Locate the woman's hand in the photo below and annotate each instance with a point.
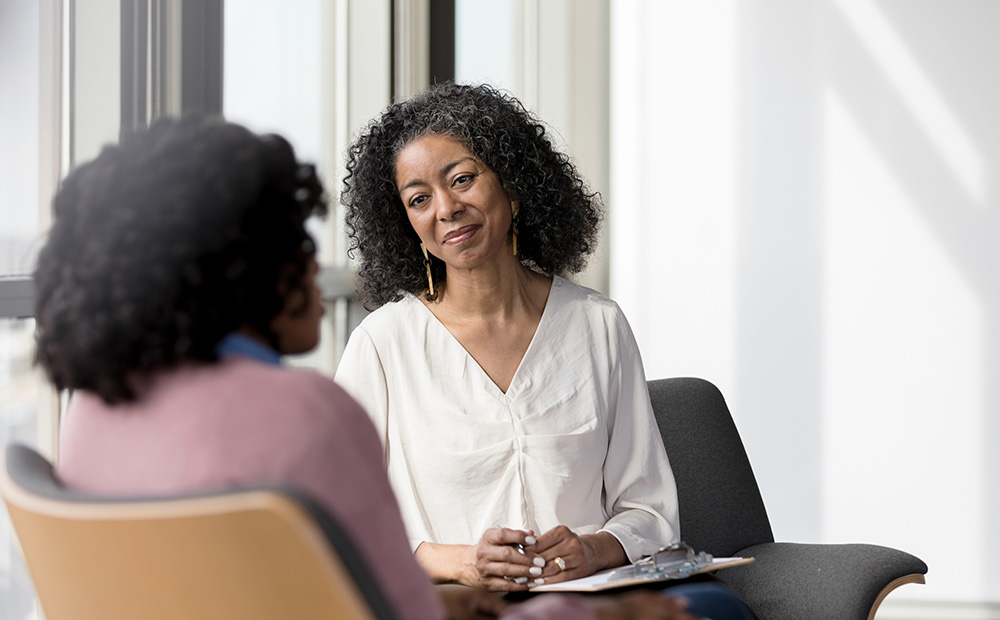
(571, 556)
(506, 560)
(502, 560)
(639, 605)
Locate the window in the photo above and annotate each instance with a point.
(279, 74)
(20, 392)
(73, 74)
(26, 167)
(19, 124)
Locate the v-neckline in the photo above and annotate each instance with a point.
(499, 393)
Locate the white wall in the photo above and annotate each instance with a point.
(803, 198)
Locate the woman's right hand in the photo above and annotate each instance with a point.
(639, 605)
(497, 563)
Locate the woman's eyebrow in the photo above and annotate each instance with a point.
(447, 168)
(410, 184)
(444, 171)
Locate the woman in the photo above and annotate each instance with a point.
(511, 403)
(178, 270)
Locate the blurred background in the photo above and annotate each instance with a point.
(803, 201)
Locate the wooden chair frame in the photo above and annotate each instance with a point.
(250, 554)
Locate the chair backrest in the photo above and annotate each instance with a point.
(260, 553)
(721, 508)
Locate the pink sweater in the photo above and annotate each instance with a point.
(242, 422)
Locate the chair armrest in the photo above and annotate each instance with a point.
(791, 581)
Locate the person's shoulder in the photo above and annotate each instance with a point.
(292, 385)
(571, 294)
(392, 312)
(313, 386)
(308, 396)
(389, 321)
(315, 411)
(579, 305)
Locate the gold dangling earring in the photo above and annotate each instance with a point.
(514, 208)
(431, 295)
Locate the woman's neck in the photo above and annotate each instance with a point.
(496, 292)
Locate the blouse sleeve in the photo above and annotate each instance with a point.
(640, 492)
(362, 375)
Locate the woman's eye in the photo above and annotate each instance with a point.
(416, 201)
(462, 179)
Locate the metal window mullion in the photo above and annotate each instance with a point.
(411, 51)
(134, 45)
(17, 297)
(155, 106)
(441, 33)
(201, 56)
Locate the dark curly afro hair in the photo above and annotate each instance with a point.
(164, 244)
(558, 221)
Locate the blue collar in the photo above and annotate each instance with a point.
(235, 343)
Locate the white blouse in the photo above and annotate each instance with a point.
(573, 441)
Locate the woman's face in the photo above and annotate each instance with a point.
(297, 326)
(454, 202)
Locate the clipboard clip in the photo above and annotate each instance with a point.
(677, 561)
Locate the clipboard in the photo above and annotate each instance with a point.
(647, 570)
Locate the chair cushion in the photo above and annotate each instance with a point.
(791, 581)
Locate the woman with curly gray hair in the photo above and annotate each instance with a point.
(511, 402)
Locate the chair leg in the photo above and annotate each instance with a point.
(905, 579)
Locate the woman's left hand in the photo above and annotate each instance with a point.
(568, 555)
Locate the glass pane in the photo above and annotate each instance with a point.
(19, 105)
(272, 82)
(485, 43)
(20, 392)
(272, 77)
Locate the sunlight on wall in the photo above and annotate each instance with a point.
(916, 88)
(903, 380)
(803, 211)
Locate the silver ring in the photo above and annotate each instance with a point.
(561, 563)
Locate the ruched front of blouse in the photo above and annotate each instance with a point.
(573, 440)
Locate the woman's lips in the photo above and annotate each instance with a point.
(460, 235)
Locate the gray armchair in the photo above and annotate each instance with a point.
(722, 512)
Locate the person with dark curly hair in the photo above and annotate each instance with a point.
(181, 238)
(176, 274)
(511, 402)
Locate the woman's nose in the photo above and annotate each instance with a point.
(448, 206)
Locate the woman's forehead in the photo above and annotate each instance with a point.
(431, 155)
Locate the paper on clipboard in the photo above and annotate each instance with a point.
(627, 576)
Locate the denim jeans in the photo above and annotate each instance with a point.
(710, 600)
